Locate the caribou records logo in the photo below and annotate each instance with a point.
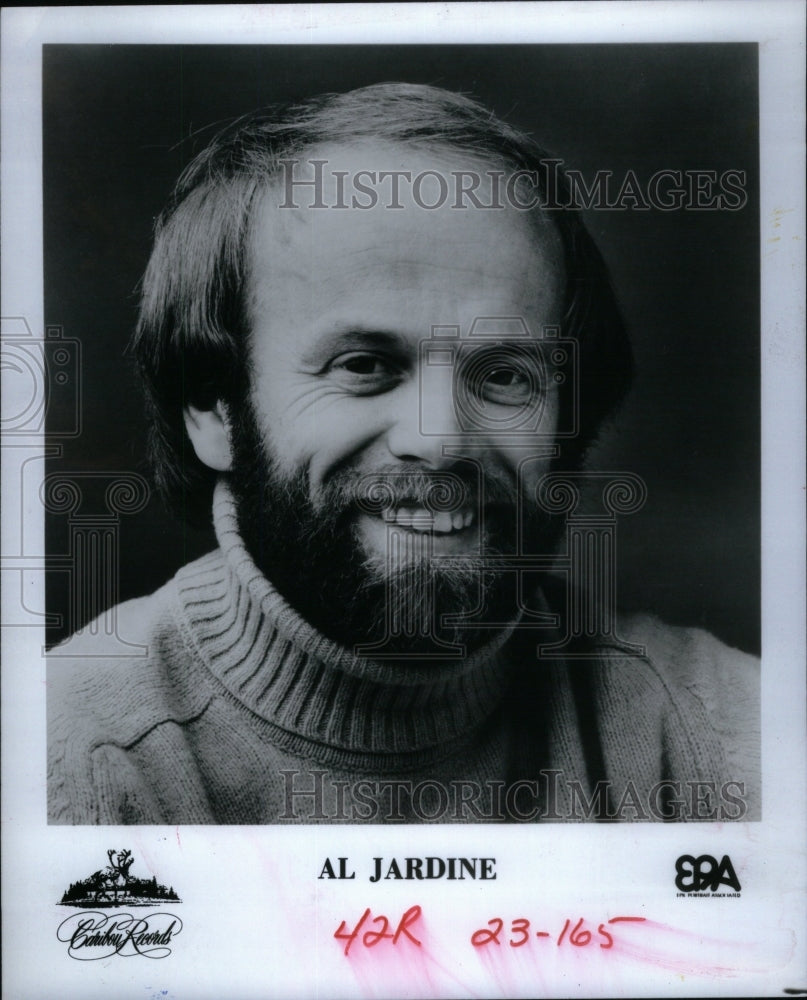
(93, 934)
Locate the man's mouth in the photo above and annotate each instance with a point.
(420, 519)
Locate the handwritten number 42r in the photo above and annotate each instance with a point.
(520, 933)
(382, 931)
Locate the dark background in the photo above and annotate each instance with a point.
(119, 124)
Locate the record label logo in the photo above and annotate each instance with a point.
(93, 934)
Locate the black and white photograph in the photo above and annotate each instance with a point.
(394, 452)
(385, 360)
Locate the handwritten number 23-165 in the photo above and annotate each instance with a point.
(520, 934)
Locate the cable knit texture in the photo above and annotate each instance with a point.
(227, 707)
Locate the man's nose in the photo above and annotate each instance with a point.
(425, 419)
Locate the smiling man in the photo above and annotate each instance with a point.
(373, 351)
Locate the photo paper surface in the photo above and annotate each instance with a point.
(403, 501)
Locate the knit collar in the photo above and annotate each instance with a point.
(283, 670)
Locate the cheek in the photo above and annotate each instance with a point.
(316, 430)
(531, 459)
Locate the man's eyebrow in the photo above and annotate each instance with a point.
(351, 337)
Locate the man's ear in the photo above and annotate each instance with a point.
(209, 431)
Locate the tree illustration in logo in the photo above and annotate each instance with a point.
(114, 886)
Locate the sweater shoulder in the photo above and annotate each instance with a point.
(125, 670)
(135, 621)
(691, 658)
(707, 685)
(115, 683)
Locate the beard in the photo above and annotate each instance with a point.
(407, 603)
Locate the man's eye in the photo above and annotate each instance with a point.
(507, 377)
(362, 371)
(510, 385)
(361, 364)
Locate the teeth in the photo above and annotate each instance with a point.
(402, 517)
(420, 519)
(442, 522)
(414, 517)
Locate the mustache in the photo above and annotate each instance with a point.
(393, 486)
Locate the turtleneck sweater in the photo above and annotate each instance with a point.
(233, 709)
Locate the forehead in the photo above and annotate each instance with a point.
(413, 265)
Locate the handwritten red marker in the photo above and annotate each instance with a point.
(577, 935)
(381, 932)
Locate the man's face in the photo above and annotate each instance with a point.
(345, 395)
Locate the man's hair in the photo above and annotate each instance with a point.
(192, 334)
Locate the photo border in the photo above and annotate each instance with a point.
(276, 928)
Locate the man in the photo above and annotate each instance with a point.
(373, 346)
